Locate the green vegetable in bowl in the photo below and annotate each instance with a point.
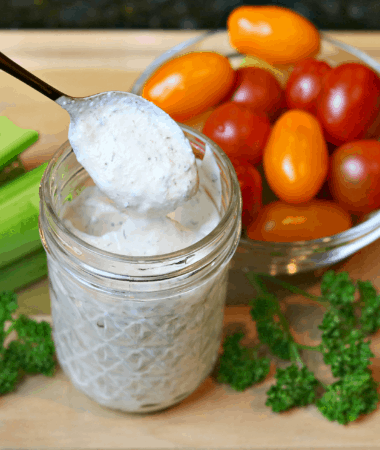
(346, 324)
(33, 350)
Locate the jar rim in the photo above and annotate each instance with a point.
(167, 258)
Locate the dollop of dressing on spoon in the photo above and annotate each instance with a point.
(135, 153)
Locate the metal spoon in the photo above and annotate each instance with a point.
(63, 100)
(82, 108)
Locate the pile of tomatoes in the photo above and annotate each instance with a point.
(310, 143)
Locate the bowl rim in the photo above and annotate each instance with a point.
(353, 233)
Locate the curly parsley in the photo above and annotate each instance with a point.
(347, 322)
(31, 352)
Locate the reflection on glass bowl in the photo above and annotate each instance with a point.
(285, 257)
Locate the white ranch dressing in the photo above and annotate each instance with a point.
(151, 196)
(136, 153)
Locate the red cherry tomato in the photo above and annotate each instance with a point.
(251, 190)
(348, 106)
(354, 177)
(260, 90)
(305, 83)
(241, 133)
(283, 222)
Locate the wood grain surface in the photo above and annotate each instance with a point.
(50, 412)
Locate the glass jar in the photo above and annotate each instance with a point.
(137, 334)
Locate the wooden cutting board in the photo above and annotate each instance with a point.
(50, 412)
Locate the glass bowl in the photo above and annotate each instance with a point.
(285, 257)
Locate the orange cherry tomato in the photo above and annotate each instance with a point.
(251, 190)
(190, 84)
(278, 35)
(283, 222)
(295, 157)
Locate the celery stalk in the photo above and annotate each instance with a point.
(25, 271)
(19, 209)
(13, 140)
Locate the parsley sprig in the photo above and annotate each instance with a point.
(240, 366)
(352, 313)
(31, 352)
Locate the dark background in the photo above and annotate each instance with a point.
(176, 14)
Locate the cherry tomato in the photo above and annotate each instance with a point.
(305, 84)
(258, 89)
(190, 84)
(251, 190)
(241, 133)
(295, 157)
(278, 35)
(348, 106)
(282, 222)
(354, 177)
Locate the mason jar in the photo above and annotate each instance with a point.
(137, 334)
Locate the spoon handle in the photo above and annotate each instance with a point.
(28, 78)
